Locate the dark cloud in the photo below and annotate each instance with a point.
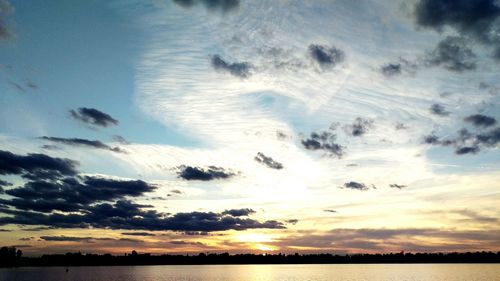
(158, 197)
(40, 228)
(292, 221)
(398, 67)
(196, 233)
(439, 110)
(325, 141)
(399, 186)
(85, 239)
(464, 15)
(239, 212)
(138, 234)
(330, 211)
(466, 142)
(326, 57)
(68, 200)
(212, 5)
(93, 116)
(431, 139)
(453, 54)
(174, 192)
(490, 138)
(391, 69)
(5, 10)
(40, 205)
(359, 127)
(5, 230)
(65, 238)
(204, 174)
(82, 142)
(104, 189)
(199, 221)
(53, 184)
(467, 150)
(355, 185)
(35, 165)
(475, 20)
(480, 120)
(72, 194)
(125, 214)
(238, 69)
(268, 161)
(181, 242)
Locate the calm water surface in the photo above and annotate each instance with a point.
(351, 272)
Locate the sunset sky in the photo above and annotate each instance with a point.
(288, 126)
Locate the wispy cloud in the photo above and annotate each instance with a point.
(82, 142)
(350, 240)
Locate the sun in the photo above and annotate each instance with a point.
(262, 247)
(256, 241)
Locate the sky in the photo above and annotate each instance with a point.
(238, 126)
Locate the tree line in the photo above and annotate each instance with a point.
(9, 257)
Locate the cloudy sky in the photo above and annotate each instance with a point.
(250, 126)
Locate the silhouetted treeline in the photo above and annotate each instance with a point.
(10, 256)
(78, 259)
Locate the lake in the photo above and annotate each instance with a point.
(315, 272)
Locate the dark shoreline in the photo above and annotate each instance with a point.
(134, 259)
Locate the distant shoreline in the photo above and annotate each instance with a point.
(236, 264)
(136, 259)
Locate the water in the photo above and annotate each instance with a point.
(332, 272)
